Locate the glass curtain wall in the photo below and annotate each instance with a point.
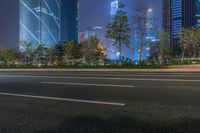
(48, 22)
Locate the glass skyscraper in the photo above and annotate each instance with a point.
(48, 22)
(178, 14)
(176, 17)
(198, 13)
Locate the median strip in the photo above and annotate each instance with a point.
(64, 99)
(86, 84)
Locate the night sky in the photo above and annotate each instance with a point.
(92, 13)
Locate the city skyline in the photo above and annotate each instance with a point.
(99, 66)
(9, 25)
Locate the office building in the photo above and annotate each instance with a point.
(48, 22)
(178, 14)
(114, 7)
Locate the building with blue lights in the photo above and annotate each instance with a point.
(48, 22)
(198, 13)
(178, 14)
(113, 50)
(114, 7)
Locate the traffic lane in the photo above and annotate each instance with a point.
(193, 83)
(108, 75)
(33, 115)
(173, 93)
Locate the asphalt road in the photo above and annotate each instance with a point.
(96, 102)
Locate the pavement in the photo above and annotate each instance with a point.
(98, 102)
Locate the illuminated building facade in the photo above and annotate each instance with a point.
(114, 7)
(113, 50)
(48, 22)
(198, 13)
(178, 14)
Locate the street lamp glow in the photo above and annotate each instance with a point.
(148, 48)
(118, 54)
(150, 10)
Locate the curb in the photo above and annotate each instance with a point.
(103, 70)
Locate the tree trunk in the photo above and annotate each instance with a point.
(141, 48)
(195, 49)
(183, 55)
(120, 52)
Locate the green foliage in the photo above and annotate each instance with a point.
(118, 31)
(7, 56)
(90, 51)
(41, 55)
(69, 49)
(91, 54)
(163, 48)
(59, 48)
(190, 43)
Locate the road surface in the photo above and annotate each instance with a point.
(98, 102)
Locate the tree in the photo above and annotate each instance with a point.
(88, 50)
(185, 41)
(40, 54)
(119, 30)
(198, 41)
(163, 49)
(195, 38)
(69, 50)
(101, 53)
(26, 47)
(1, 55)
(8, 56)
(51, 55)
(140, 21)
(59, 52)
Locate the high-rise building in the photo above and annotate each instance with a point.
(198, 13)
(167, 15)
(113, 49)
(48, 22)
(114, 7)
(89, 33)
(69, 20)
(151, 31)
(178, 14)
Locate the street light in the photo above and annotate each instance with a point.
(118, 54)
(150, 10)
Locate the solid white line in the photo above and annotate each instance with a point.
(166, 80)
(63, 99)
(102, 78)
(133, 75)
(86, 84)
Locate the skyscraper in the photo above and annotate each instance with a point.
(167, 15)
(178, 14)
(114, 7)
(198, 13)
(48, 22)
(113, 50)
